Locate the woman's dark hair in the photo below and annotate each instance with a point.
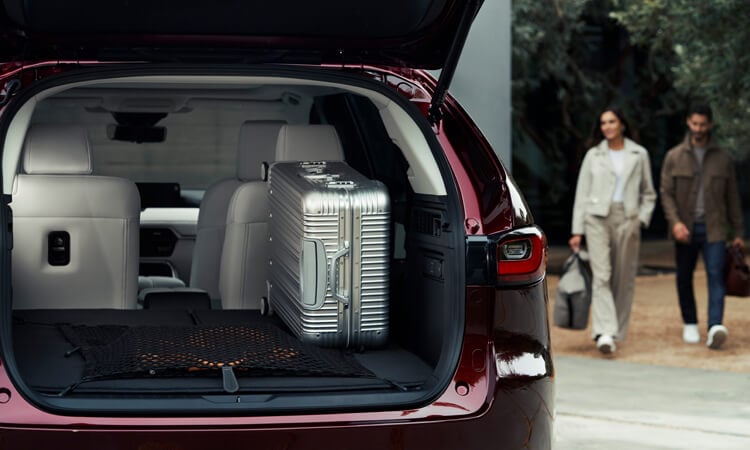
(596, 135)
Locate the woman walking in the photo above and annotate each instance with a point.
(614, 198)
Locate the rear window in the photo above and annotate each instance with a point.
(199, 145)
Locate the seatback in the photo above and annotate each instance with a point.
(308, 143)
(254, 138)
(209, 237)
(246, 216)
(244, 268)
(75, 235)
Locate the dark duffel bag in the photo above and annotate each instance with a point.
(737, 273)
(573, 295)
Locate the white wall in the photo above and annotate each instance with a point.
(482, 82)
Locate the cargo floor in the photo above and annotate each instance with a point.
(153, 351)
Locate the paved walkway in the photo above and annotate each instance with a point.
(611, 404)
(607, 404)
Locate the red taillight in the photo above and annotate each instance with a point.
(521, 257)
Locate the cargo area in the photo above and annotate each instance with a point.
(66, 352)
(167, 308)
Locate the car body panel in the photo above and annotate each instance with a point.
(501, 389)
(504, 377)
(413, 34)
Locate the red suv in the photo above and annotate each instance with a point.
(139, 146)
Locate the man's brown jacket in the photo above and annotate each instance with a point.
(680, 180)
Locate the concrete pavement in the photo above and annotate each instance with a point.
(608, 404)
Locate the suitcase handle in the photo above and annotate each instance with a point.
(335, 274)
(341, 184)
(321, 177)
(313, 274)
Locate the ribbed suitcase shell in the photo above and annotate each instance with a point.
(328, 225)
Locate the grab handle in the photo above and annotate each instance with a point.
(335, 274)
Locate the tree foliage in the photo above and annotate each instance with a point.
(705, 43)
(571, 59)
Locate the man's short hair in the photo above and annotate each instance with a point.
(701, 108)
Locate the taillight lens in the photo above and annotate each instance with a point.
(521, 256)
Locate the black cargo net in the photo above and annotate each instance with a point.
(261, 349)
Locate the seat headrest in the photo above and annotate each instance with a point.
(257, 144)
(309, 143)
(57, 149)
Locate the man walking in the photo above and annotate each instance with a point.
(700, 199)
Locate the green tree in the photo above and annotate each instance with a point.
(651, 58)
(704, 45)
(570, 60)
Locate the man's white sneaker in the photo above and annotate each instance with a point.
(605, 344)
(690, 334)
(716, 336)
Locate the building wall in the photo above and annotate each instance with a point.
(482, 82)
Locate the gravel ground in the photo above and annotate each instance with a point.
(655, 334)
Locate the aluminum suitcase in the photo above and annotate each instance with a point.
(329, 253)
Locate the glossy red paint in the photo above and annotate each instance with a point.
(507, 410)
(497, 210)
(482, 405)
(417, 91)
(18, 74)
(498, 206)
(505, 425)
(29, 71)
(468, 196)
(17, 411)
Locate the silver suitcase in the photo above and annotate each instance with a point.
(329, 233)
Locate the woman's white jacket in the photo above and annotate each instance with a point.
(597, 180)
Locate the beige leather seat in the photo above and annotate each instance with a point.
(257, 139)
(75, 235)
(244, 265)
(308, 143)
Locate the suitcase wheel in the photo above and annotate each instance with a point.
(265, 307)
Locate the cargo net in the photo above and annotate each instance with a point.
(260, 350)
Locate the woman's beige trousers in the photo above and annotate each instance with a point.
(613, 243)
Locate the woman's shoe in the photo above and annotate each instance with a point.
(606, 344)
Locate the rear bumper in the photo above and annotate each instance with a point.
(519, 417)
(502, 396)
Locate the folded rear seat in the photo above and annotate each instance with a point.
(75, 235)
